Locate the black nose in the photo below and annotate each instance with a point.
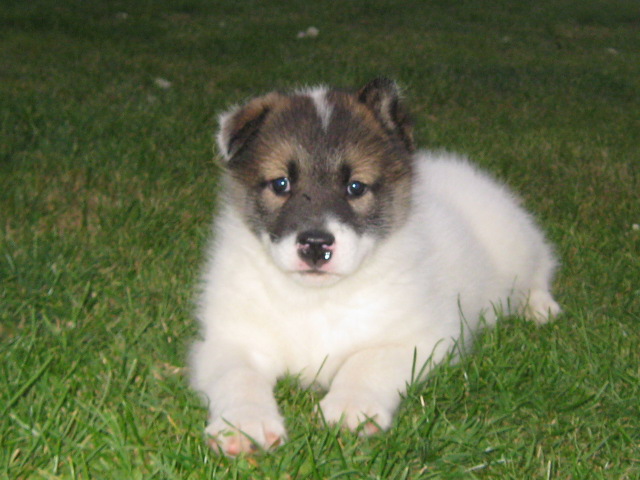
(314, 247)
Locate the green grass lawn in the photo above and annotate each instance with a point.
(108, 185)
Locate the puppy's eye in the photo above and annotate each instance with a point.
(281, 186)
(356, 188)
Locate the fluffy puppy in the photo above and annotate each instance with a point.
(344, 256)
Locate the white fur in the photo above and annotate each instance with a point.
(466, 252)
(222, 137)
(324, 109)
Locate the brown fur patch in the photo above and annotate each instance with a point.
(245, 121)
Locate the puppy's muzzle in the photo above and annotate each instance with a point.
(315, 247)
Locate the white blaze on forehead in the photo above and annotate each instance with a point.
(319, 97)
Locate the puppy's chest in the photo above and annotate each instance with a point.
(313, 342)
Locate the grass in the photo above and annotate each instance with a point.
(108, 187)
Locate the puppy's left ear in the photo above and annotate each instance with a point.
(382, 96)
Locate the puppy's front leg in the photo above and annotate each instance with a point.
(243, 413)
(367, 388)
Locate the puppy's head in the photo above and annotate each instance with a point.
(320, 175)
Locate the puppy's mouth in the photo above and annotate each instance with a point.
(315, 273)
(315, 277)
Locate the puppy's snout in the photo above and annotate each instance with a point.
(314, 247)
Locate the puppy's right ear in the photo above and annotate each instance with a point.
(240, 124)
(382, 97)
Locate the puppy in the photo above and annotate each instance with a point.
(346, 257)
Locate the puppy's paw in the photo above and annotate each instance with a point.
(541, 307)
(246, 430)
(353, 409)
